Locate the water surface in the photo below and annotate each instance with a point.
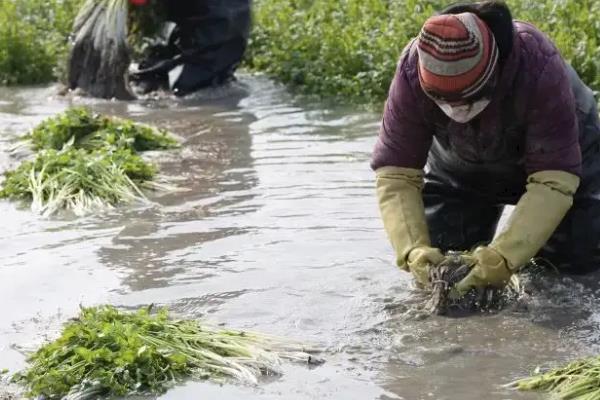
(278, 232)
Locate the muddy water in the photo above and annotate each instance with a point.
(278, 232)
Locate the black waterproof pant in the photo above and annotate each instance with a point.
(204, 49)
(460, 219)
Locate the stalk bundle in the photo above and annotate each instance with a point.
(114, 353)
(85, 162)
(579, 380)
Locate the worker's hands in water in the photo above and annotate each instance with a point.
(420, 259)
(490, 269)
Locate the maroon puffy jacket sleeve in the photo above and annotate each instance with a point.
(404, 139)
(552, 137)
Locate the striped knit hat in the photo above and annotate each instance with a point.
(457, 56)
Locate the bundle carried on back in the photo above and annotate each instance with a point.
(100, 53)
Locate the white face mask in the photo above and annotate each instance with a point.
(463, 113)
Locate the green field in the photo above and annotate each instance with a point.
(34, 39)
(346, 49)
(349, 48)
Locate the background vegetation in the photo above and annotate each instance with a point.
(344, 48)
(33, 39)
(349, 48)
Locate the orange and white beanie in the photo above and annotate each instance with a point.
(457, 56)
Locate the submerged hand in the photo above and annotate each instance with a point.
(490, 270)
(420, 260)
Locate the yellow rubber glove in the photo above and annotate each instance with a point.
(538, 213)
(420, 259)
(403, 215)
(489, 270)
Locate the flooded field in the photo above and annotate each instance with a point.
(278, 232)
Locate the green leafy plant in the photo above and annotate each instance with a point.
(579, 380)
(34, 39)
(77, 180)
(85, 161)
(348, 49)
(110, 352)
(93, 131)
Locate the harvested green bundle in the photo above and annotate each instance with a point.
(100, 54)
(578, 380)
(54, 132)
(109, 352)
(85, 161)
(77, 180)
(93, 131)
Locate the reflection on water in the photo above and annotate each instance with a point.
(277, 231)
(216, 166)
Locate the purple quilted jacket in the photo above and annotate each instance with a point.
(530, 125)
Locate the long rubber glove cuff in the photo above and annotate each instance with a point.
(536, 216)
(402, 210)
